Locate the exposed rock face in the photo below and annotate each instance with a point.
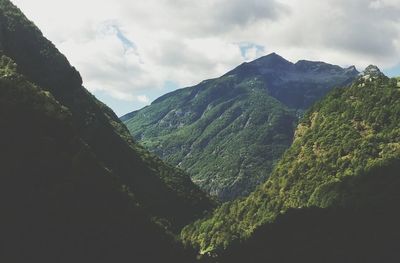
(371, 71)
(370, 74)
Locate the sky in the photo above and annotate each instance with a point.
(131, 52)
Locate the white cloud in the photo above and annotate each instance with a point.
(143, 99)
(338, 31)
(131, 49)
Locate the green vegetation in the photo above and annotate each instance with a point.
(165, 192)
(61, 203)
(235, 139)
(351, 133)
(364, 228)
(229, 132)
(76, 187)
(322, 235)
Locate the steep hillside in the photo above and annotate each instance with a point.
(59, 202)
(345, 154)
(229, 132)
(323, 235)
(163, 191)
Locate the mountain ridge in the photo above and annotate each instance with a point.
(41, 62)
(345, 154)
(75, 185)
(62, 204)
(261, 99)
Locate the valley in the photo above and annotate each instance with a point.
(273, 161)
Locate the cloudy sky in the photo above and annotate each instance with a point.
(131, 52)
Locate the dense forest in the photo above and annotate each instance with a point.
(62, 203)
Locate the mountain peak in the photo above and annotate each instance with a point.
(273, 54)
(372, 69)
(269, 62)
(371, 72)
(272, 59)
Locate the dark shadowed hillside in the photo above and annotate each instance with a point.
(75, 187)
(60, 203)
(364, 228)
(164, 191)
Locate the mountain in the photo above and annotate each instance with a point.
(60, 203)
(165, 192)
(345, 155)
(75, 186)
(229, 132)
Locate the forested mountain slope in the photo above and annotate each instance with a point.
(356, 235)
(229, 132)
(59, 202)
(346, 153)
(163, 191)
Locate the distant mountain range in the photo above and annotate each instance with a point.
(229, 132)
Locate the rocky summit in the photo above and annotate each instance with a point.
(371, 71)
